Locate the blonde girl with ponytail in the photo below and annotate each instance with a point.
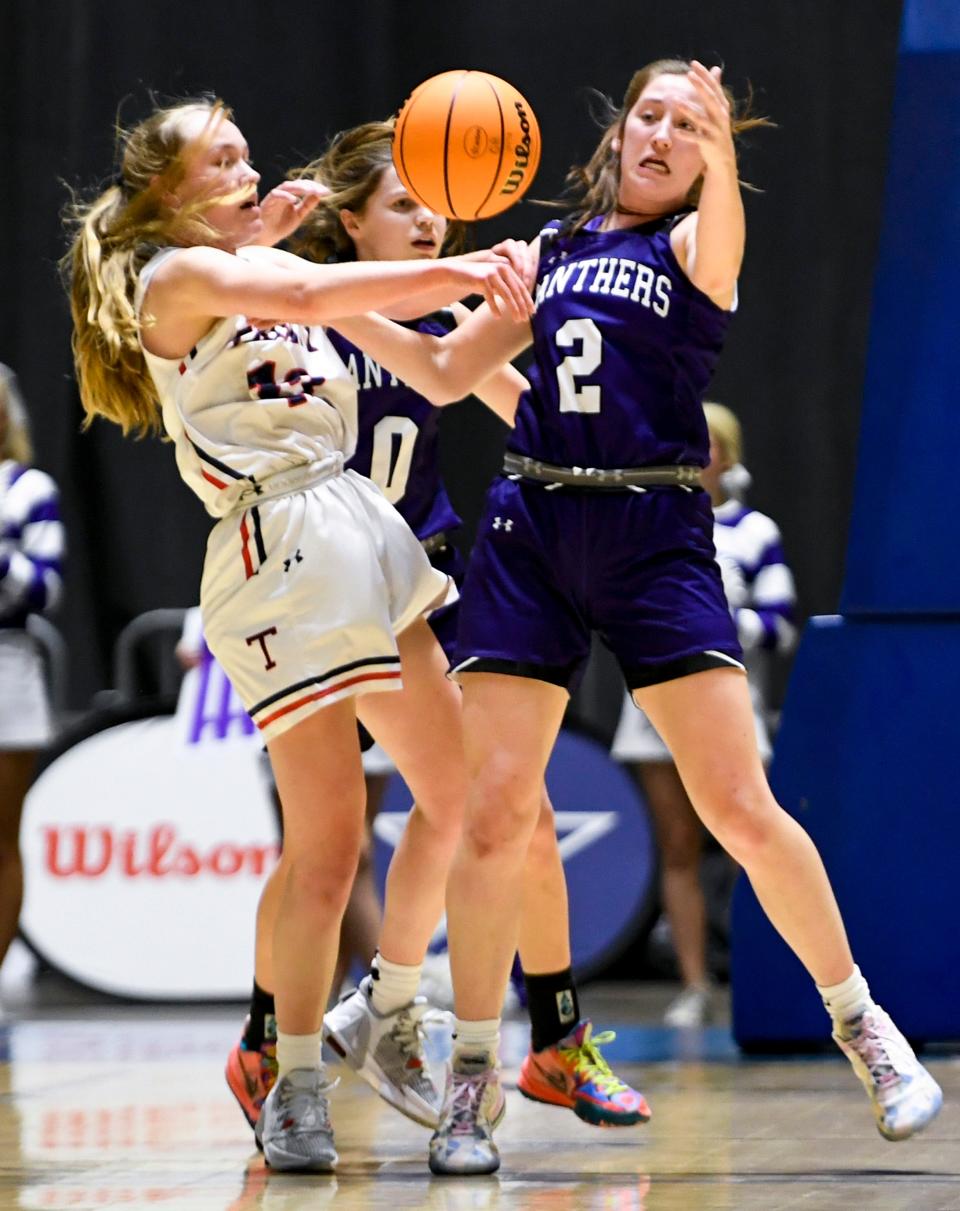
(314, 590)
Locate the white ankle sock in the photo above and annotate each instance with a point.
(472, 1038)
(297, 1051)
(847, 1000)
(394, 984)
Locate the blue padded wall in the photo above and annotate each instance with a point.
(867, 757)
(868, 760)
(903, 535)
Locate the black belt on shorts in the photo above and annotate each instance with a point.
(436, 542)
(634, 479)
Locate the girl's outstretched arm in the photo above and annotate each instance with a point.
(441, 368)
(203, 282)
(502, 390)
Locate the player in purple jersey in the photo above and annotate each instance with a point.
(314, 589)
(369, 216)
(600, 524)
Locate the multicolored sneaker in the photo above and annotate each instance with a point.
(294, 1125)
(574, 1074)
(386, 1050)
(905, 1096)
(251, 1076)
(473, 1106)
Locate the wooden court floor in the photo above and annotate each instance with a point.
(107, 1106)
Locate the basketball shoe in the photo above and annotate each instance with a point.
(251, 1075)
(386, 1050)
(473, 1106)
(574, 1074)
(690, 1010)
(904, 1095)
(294, 1125)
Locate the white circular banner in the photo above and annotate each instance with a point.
(145, 848)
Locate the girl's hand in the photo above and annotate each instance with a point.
(521, 255)
(710, 117)
(285, 207)
(493, 275)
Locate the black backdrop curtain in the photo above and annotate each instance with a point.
(296, 73)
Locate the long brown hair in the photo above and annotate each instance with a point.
(351, 167)
(595, 186)
(113, 237)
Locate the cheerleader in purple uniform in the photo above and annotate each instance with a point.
(31, 578)
(599, 523)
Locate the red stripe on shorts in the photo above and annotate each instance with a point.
(211, 479)
(342, 685)
(245, 535)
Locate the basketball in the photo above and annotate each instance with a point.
(467, 144)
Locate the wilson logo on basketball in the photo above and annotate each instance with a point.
(521, 153)
(91, 852)
(475, 142)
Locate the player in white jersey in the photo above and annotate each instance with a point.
(760, 592)
(31, 557)
(314, 589)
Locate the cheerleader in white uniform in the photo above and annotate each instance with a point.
(760, 592)
(314, 589)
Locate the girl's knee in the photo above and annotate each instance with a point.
(324, 885)
(499, 829)
(744, 823)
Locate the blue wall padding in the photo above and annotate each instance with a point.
(867, 760)
(903, 537)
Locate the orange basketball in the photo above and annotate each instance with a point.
(467, 144)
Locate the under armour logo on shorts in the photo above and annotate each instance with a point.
(500, 523)
(296, 557)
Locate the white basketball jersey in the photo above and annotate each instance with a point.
(249, 403)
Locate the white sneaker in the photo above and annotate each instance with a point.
(690, 1010)
(386, 1050)
(905, 1096)
(473, 1106)
(294, 1125)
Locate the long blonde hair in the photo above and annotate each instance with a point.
(15, 440)
(113, 237)
(595, 185)
(725, 430)
(351, 167)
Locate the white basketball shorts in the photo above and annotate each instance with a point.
(303, 596)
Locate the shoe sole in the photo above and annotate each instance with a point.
(438, 1171)
(283, 1163)
(371, 1072)
(590, 1113)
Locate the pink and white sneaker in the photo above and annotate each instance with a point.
(904, 1095)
